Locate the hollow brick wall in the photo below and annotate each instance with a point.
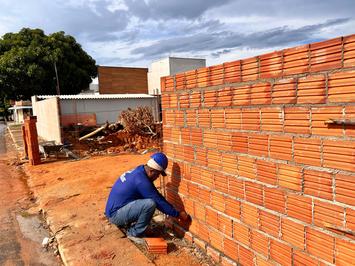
(265, 180)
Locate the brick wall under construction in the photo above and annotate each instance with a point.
(257, 157)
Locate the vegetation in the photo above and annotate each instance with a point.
(28, 60)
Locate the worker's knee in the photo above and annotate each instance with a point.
(150, 204)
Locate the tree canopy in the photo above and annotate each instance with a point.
(28, 60)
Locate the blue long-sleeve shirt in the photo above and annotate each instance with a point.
(133, 185)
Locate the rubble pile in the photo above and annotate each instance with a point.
(136, 131)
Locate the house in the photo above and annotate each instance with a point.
(20, 110)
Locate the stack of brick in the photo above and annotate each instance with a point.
(252, 160)
(156, 245)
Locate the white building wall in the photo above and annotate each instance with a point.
(48, 122)
(105, 109)
(170, 66)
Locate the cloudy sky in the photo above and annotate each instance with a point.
(137, 32)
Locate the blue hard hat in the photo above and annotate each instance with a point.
(161, 159)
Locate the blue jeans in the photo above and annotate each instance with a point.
(136, 215)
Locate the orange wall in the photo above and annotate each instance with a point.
(253, 162)
(117, 80)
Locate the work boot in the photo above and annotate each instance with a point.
(136, 240)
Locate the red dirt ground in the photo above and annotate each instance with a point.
(72, 195)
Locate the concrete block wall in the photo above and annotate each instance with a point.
(252, 160)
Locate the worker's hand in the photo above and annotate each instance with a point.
(183, 215)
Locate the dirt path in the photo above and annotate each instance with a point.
(20, 234)
(73, 196)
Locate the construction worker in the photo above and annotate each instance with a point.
(134, 198)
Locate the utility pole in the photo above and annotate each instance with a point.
(56, 76)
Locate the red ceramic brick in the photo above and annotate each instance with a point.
(216, 239)
(201, 156)
(260, 261)
(320, 245)
(246, 257)
(326, 55)
(259, 243)
(233, 118)
(201, 244)
(204, 195)
(180, 81)
(258, 145)
(212, 217)
(191, 79)
(185, 136)
(231, 249)
(203, 77)
(299, 207)
(209, 98)
(271, 65)
(217, 75)
(193, 191)
(232, 72)
(169, 117)
(196, 136)
(241, 95)
(162, 84)
(220, 182)
(272, 119)
(250, 69)
(203, 232)
(281, 147)
(179, 118)
(224, 97)
(341, 87)
(214, 160)
(339, 154)
(246, 167)
(266, 172)
(239, 142)
(235, 187)
(215, 255)
(205, 178)
(349, 51)
(210, 139)
(169, 83)
(297, 120)
(350, 115)
(204, 118)
(350, 219)
(191, 117)
(229, 163)
(293, 233)
(200, 212)
(311, 89)
(195, 99)
(344, 189)
(295, 60)
(290, 177)
(344, 252)
(165, 101)
(173, 100)
(251, 119)
(217, 201)
(270, 223)
(241, 233)
(322, 114)
(179, 152)
(250, 215)
(275, 199)
(280, 252)
(318, 184)
(189, 206)
(253, 193)
(307, 151)
(225, 225)
(260, 93)
(227, 262)
(217, 118)
(232, 207)
(328, 214)
(284, 91)
(224, 141)
(301, 259)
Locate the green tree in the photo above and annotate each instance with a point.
(28, 60)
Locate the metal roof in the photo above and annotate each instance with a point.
(20, 107)
(97, 96)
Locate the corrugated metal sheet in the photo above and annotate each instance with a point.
(98, 96)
